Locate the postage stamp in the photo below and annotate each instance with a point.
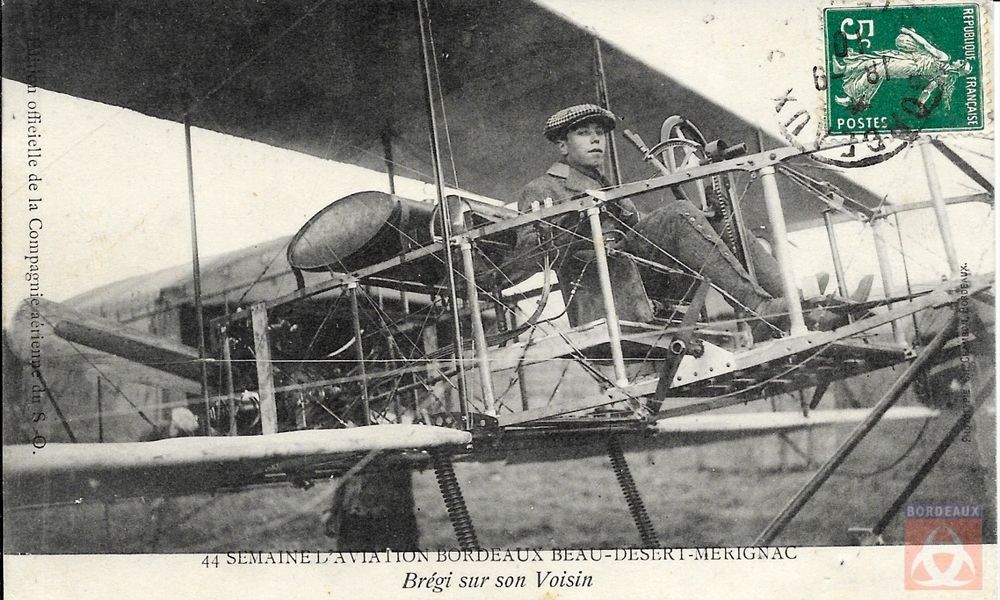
(919, 65)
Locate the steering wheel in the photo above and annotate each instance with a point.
(681, 146)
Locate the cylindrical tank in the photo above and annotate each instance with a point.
(364, 229)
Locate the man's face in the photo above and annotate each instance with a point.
(584, 145)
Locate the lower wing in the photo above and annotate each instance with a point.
(177, 466)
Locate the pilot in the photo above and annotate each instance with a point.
(676, 234)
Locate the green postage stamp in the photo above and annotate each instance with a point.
(908, 67)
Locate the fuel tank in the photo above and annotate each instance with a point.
(363, 229)
(366, 228)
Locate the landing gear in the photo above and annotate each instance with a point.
(451, 491)
(636, 507)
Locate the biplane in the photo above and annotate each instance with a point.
(385, 332)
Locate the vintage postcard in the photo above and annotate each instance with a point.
(506, 298)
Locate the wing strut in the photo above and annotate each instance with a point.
(196, 273)
(782, 252)
(265, 372)
(838, 263)
(863, 429)
(390, 171)
(463, 390)
(940, 212)
(604, 100)
(352, 290)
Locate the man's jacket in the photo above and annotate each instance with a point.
(566, 241)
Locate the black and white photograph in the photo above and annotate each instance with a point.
(499, 298)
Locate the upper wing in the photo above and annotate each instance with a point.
(67, 472)
(333, 79)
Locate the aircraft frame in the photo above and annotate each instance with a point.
(691, 366)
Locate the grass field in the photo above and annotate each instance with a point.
(722, 494)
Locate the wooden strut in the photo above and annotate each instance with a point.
(885, 268)
(390, 171)
(227, 359)
(603, 98)
(265, 374)
(360, 352)
(940, 212)
(196, 275)
(479, 334)
(782, 250)
(838, 263)
(100, 411)
(604, 277)
(424, 23)
(857, 435)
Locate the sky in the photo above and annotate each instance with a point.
(114, 191)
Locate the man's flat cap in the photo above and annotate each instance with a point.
(567, 117)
